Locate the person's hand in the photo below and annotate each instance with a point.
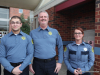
(16, 70)
(79, 71)
(31, 69)
(76, 72)
(58, 67)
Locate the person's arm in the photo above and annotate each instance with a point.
(60, 53)
(91, 59)
(30, 51)
(60, 48)
(66, 60)
(30, 65)
(6, 64)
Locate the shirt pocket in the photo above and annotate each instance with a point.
(72, 55)
(84, 55)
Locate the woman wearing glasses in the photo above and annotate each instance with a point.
(78, 56)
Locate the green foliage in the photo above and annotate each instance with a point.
(25, 24)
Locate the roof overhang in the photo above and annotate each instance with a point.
(23, 4)
(69, 4)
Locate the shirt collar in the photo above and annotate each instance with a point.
(74, 43)
(48, 28)
(11, 33)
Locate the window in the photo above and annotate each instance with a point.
(4, 19)
(20, 10)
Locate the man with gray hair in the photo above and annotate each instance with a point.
(45, 40)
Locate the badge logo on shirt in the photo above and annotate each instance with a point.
(32, 41)
(23, 37)
(65, 49)
(92, 50)
(50, 33)
(85, 49)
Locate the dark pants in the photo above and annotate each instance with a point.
(44, 67)
(25, 71)
(69, 73)
(0, 69)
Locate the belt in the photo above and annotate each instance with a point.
(16, 64)
(74, 68)
(44, 60)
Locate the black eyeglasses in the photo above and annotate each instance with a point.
(78, 33)
(16, 22)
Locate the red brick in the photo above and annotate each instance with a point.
(97, 16)
(99, 64)
(96, 56)
(97, 38)
(96, 13)
(99, 56)
(96, 66)
(98, 26)
(95, 69)
(95, 41)
(97, 31)
(98, 41)
(96, 73)
(99, 12)
(95, 62)
(97, 20)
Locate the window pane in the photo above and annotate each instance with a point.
(4, 19)
(3, 23)
(5, 16)
(3, 28)
(4, 10)
(20, 10)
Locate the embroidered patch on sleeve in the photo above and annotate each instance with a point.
(58, 33)
(65, 49)
(92, 50)
(32, 41)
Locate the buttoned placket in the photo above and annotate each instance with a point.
(78, 55)
(16, 38)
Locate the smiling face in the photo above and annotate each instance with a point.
(43, 19)
(15, 24)
(78, 34)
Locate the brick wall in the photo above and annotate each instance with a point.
(83, 16)
(97, 35)
(67, 20)
(15, 11)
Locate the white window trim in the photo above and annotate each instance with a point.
(21, 10)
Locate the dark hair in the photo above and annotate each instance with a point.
(79, 28)
(14, 17)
